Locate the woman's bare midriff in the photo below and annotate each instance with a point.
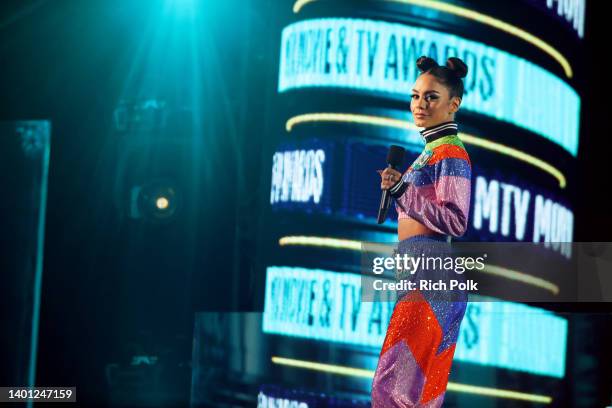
(409, 227)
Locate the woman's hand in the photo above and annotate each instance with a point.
(389, 177)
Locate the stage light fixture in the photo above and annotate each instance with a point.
(157, 201)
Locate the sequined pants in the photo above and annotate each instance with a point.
(419, 346)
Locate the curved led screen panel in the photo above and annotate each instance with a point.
(326, 306)
(504, 205)
(379, 57)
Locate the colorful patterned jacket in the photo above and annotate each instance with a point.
(436, 188)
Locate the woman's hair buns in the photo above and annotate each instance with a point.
(426, 63)
(456, 65)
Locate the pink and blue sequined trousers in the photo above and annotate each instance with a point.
(419, 346)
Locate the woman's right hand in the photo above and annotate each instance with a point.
(389, 177)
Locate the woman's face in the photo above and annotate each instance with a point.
(430, 102)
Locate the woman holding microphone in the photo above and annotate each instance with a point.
(432, 199)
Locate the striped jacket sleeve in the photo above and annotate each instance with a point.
(438, 195)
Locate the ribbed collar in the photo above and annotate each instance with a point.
(440, 130)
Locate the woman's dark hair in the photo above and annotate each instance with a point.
(449, 75)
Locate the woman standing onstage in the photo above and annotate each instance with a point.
(432, 199)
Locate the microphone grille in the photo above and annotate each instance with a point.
(395, 156)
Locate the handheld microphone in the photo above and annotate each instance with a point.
(395, 157)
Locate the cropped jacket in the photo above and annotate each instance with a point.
(436, 188)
